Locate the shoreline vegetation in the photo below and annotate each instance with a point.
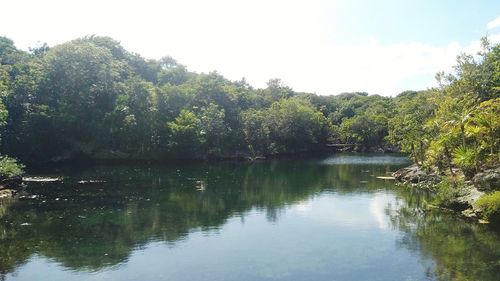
(453, 136)
(475, 198)
(90, 99)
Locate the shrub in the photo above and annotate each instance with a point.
(9, 167)
(489, 205)
(447, 191)
(466, 159)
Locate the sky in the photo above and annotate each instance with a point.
(324, 47)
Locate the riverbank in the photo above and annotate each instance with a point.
(10, 177)
(10, 186)
(475, 198)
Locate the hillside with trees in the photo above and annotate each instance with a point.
(92, 99)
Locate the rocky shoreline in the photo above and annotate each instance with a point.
(10, 186)
(465, 197)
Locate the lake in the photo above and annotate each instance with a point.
(291, 219)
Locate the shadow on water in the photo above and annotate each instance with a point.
(94, 225)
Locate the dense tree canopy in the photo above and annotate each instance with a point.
(91, 98)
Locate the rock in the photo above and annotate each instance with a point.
(11, 183)
(468, 195)
(487, 180)
(7, 193)
(465, 197)
(469, 213)
(466, 202)
(414, 174)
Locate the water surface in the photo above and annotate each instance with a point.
(313, 219)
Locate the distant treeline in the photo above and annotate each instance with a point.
(90, 98)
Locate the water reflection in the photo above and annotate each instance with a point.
(461, 250)
(97, 226)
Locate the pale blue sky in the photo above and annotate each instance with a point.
(327, 47)
(393, 21)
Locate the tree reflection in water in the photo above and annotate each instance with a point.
(461, 250)
(89, 227)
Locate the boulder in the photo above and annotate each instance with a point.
(414, 174)
(7, 193)
(468, 195)
(487, 180)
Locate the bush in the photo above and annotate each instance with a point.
(447, 191)
(9, 167)
(466, 159)
(489, 205)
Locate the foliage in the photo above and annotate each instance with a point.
(484, 127)
(295, 126)
(90, 96)
(187, 134)
(448, 190)
(489, 205)
(466, 159)
(406, 130)
(455, 125)
(10, 167)
(214, 129)
(256, 131)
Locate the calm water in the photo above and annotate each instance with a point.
(316, 219)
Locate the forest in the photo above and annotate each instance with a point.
(92, 99)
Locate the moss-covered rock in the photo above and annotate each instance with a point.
(488, 206)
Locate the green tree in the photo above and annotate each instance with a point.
(256, 131)
(484, 126)
(407, 127)
(295, 126)
(214, 129)
(186, 139)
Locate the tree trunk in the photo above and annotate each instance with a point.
(492, 144)
(462, 129)
(415, 159)
(421, 150)
(448, 156)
